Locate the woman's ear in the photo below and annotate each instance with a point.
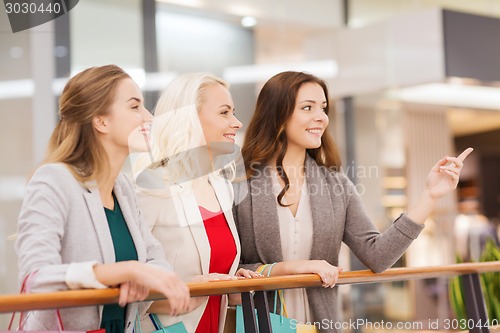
(101, 124)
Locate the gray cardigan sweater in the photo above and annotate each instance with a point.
(338, 216)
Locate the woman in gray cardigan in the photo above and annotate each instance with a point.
(79, 225)
(296, 208)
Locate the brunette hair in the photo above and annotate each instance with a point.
(265, 137)
(74, 141)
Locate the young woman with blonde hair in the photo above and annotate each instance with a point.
(79, 225)
(184, 196)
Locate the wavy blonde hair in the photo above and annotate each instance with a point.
(176, 130)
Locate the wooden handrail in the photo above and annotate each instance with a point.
(77, 298)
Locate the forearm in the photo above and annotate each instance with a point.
(422, 209)
(286, 268)
(114, 274)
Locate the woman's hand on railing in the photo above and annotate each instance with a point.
(213, 277)
(148, 277)
(247, 273)
(72, 298)
(132, 292)
(328, 273)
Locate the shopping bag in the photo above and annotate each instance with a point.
(175, 328)
(57, 318)
(25, 288)
(306, 328)
(279, 323)
(230, 323)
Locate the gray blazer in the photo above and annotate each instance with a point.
(338, 216)
(63, 222)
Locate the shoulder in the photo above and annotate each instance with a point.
(147, 199)
(54, 183)
(52, 170)
(337, 182)
(124, 181)
(135, 194)
(332, 175)
(220, 181)
(54, 174)
(339, 178)
(159, 200)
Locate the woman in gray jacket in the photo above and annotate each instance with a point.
(296, 208)
(79, 225)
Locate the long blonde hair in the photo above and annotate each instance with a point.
(176, 131)
(74, 141)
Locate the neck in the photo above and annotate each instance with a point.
(294, 156)
(205, 162)
(116, 160)
(293, 162)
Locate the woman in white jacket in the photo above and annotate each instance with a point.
(79, 225)
(185, 199)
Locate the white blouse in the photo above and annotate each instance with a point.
(296, 242)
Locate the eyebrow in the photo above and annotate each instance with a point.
(311, 101)
(135, 99)
(226, 106)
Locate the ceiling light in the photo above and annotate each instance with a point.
(450, 95)
(16, 52)
(248, 21)
(186, 3)
(26, 88)
(326, 69)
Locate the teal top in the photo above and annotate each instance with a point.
(113, 316)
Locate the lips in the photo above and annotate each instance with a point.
(145, 130)
(230, 136)
(315, 130)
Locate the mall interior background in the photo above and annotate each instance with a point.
(394, 74)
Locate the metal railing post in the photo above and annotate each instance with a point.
(474, 304)
(260, 299)
(249, 313)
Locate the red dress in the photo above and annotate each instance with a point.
(222, 254)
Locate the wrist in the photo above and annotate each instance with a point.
(291, 267)
(130, 270)
(427, 196)
(423, 208)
